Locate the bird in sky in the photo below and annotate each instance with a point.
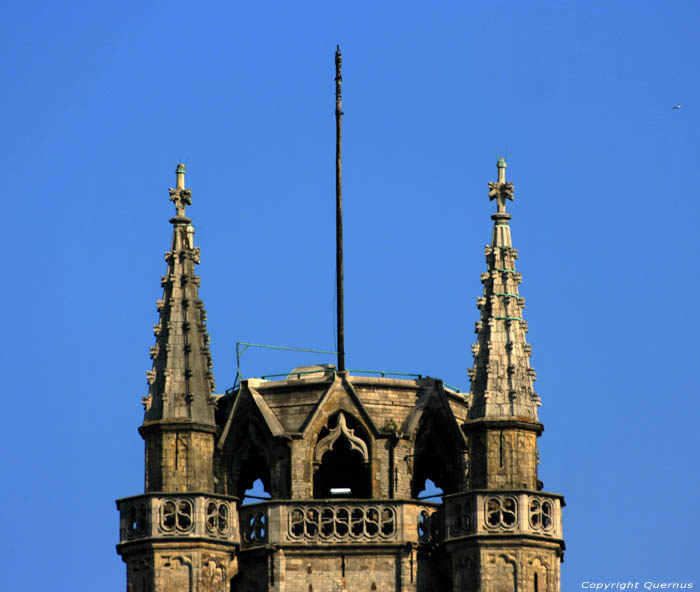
(676, 107)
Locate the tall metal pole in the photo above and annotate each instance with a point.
(339, 208)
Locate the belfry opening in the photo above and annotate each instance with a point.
(341, 464)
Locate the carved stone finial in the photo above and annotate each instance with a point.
(500, 190)
(180, 196)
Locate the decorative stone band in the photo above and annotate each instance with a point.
(515, 512)
(339, 522)
(165, 516)
(519, 423)
(176, 424)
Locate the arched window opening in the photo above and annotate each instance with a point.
(437, 458)
(341, 460)
(254, 468)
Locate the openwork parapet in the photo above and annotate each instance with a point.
(341, 522)
(163, 515)
(506, 512)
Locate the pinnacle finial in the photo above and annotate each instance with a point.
(180, 175)
(501, 164)
(180, 196)
(500, 190)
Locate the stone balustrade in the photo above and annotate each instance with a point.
(507, 512)
(164, 516)
(337, 522)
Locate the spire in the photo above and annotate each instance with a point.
(181, 380)
(501, 379)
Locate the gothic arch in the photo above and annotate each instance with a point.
(246, 454)
(438, 453)
(501, 573)
(539, 575)
(341, 430)
(341, 457)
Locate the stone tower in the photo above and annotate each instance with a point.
(344, 458)
(504, 534)
(179, 535)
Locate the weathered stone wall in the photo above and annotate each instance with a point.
(352, 572)
(401, 470)
(294, 405)
(317, 570)
(387, 401)
(178, 460)
(508, 569)
(458, 406)
(181, 568)
(504, 567)
(503, 458)
(302, 470)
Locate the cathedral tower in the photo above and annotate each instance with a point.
(344, 457)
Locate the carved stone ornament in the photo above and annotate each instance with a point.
(501, 192)
(339, 523)
(176, 515)
(326, 444)
(541, 514)
(217, 517)
(254, 527)
(500, 512)
(175, 572)
(181, 198)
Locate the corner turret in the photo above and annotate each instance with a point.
(507, 531)
(179, 424)
(179, 535)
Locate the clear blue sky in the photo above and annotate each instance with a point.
(99, 101)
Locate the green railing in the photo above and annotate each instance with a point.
(382, 373)
(242, 346)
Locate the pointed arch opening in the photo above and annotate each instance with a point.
(438, 460)
(342, 459)
(250, 469)
(254, 475)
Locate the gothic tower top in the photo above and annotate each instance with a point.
(501, 379)
(181, 380)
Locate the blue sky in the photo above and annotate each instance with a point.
(99, 103)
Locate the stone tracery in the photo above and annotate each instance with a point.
(341, 430)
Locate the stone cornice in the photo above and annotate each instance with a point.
(471, 425)
(175, 425)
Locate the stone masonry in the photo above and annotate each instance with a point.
(344, 459)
